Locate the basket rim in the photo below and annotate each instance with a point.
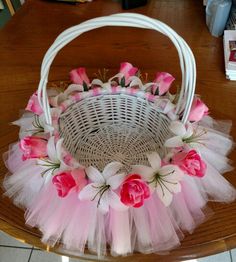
(159, 102)
(121, 93)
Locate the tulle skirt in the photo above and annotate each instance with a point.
(151, 228)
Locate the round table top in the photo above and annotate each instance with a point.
(28, 35)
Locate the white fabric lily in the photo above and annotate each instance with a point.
(31, 124)
(54, 162)
(136, 81)
(186, 134)
(56, 97)
(102, 187)
(183, 134)
(99, 83)
(164, 180)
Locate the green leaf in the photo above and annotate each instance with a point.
(122, 82)
(85, 86)
(156, 93)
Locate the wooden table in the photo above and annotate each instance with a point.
(24, 41)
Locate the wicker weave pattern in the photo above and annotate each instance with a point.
(107, 128)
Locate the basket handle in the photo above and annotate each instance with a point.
(186, 58)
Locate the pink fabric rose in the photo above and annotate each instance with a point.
(191, 163)
(33, 105)
(164, 81)
(127, 70)
(198, 110)
(79, 76)
(33, 147)
(67, 180)
(133, 191)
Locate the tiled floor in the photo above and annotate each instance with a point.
(12, 250)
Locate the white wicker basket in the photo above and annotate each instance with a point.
(117, 166)
(117, 127)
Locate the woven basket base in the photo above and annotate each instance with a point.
(98, 130)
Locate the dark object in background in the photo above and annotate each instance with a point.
(231, 24)
(232, 48)
(5, 14)
(128, 4)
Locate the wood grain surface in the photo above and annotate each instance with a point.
(26, 38)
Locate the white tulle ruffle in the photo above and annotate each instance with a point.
(78, 225)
